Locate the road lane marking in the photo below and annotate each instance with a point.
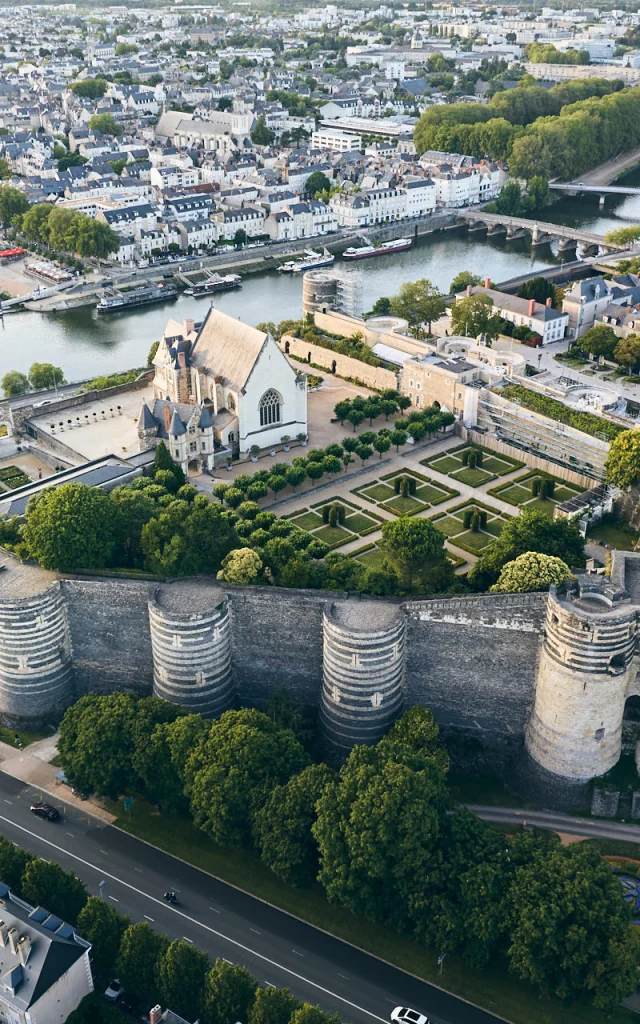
(138, 869)
(268, 983)
(147, 917)
(105, 853)
(296, 952)
(187, 939)
(71, 834)
(346, 978)
(7, 801)
(193, 920)
(214, 910)
(114, 899)
(254, 930)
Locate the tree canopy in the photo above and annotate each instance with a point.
(622, 467)
(420, 303)
(531, 571)
(473, 316)
(70, 527)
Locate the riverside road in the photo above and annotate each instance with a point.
(278, 949)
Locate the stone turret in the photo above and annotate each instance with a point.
(178, 442)
(585, 673)
(191, 642)
(363, 671)
(206, 438)
(147, 428)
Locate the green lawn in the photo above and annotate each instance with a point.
(360, 521)
(514, 494)
(472, 477)
(545, 505)
(616, 535)
(477, 541)
(333, 535)
(307, 521)
(25, 736)
(449, 525)
(372, 559)
(494, 989)
(518, 492)
(431, 494)
(378, 492)
(401, 506)
(445, 464)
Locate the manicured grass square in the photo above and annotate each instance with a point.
(378, 492)
(373, 558)
(333, 535)
(359, 521)
(449, 525)
(401, 505)
(307, 521)
(472, 477)
(477, 541)
(563, 492)
(445, 464)
(495, 465)
(515, 494)
(542, 505)
(494, 527)
(431, 494)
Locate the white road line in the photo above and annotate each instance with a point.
(254, 930)
(105, 853)
(193, 920)
(268, 983)
(296, 952)
(147, 917)
(114, 899)
(7, 801)
(343, 976)
(138, 869)
(214, 910)
(227, 961)
(71, 834)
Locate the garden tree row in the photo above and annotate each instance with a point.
(68, 231)
(513, 203)
(559, 132)
(382, 836)
(306, 330)
(41, 375)
(602, 340)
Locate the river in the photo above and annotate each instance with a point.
(84, 344)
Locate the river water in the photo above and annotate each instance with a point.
(84, 344)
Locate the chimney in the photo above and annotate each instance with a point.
(3, 933)
(24, 948)
(487, 282)
(13, 940)
(155, 1014)
(468, 289)
(532, 307)
(548, 302)
(189, 326)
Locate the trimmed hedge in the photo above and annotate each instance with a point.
(587, 422)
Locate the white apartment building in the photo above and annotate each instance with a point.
(301, 220)
(249, 219)
(541, 318)
(173, 177)
(466, 187)
(335, 141)
(421, 196)
(386, 204)
(351, 211)
(199, 234)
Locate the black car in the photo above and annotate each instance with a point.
(45, 811)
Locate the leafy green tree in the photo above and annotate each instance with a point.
(381, 307)
(355, 417)
(140, 952)
(152, 355)
(418, 302)
(316, 182)
(243, 757)
(261, 135)
(308, 1014)
(273, 1006)
(382, 444)
(46, 884)
(70, 527)
(377, 831)
(531, 530)
(91, 88)
(414, 738)
(13, 864)
(13, 203)
(182, 973)
(45, 375)
(537, 193)
(531, 571)
(623, 236)
(627, 352)
(103, 927)
(282, 829)
(463, 280)
(241, 567)
(161, 764)
(509, 201)
(398, 438)
(188, 538)
(106, 124)
(622, 467)
(473, 316)
(600, 340)
(570, 931)
(71, 160)
(229, 993)
(415, 550)
(97, 743)
(35, 222)
(132, 509)
(537, 288)
(15, 383)
(5, 170)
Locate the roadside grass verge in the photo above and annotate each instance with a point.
(493, 989)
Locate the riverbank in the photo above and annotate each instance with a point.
(607, 173)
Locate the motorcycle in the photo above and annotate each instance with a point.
(171, 897)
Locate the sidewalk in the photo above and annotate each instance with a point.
(32, 766)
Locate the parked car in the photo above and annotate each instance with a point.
(114, 990)
(402, 1015)
(46, 811)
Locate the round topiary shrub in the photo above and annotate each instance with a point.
(475, 521)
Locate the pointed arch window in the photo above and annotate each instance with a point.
(270, 405)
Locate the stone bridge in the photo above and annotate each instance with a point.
(587, 242)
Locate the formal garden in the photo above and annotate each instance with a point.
(536, 489)
(471, 525)
(404, 492)
(471, 464)
(12, 477)
(372, 556)
(335, 521)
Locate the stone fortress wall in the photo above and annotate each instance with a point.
(532, 684)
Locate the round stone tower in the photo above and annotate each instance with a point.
(319, 292)
(191, 643)
(36, 668)
(363, 671)
(584, 676)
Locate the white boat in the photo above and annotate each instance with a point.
(313, 260)
(363, 252)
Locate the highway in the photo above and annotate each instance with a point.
(278, 949)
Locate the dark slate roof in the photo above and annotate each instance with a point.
(177, 427)
(145, 419)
